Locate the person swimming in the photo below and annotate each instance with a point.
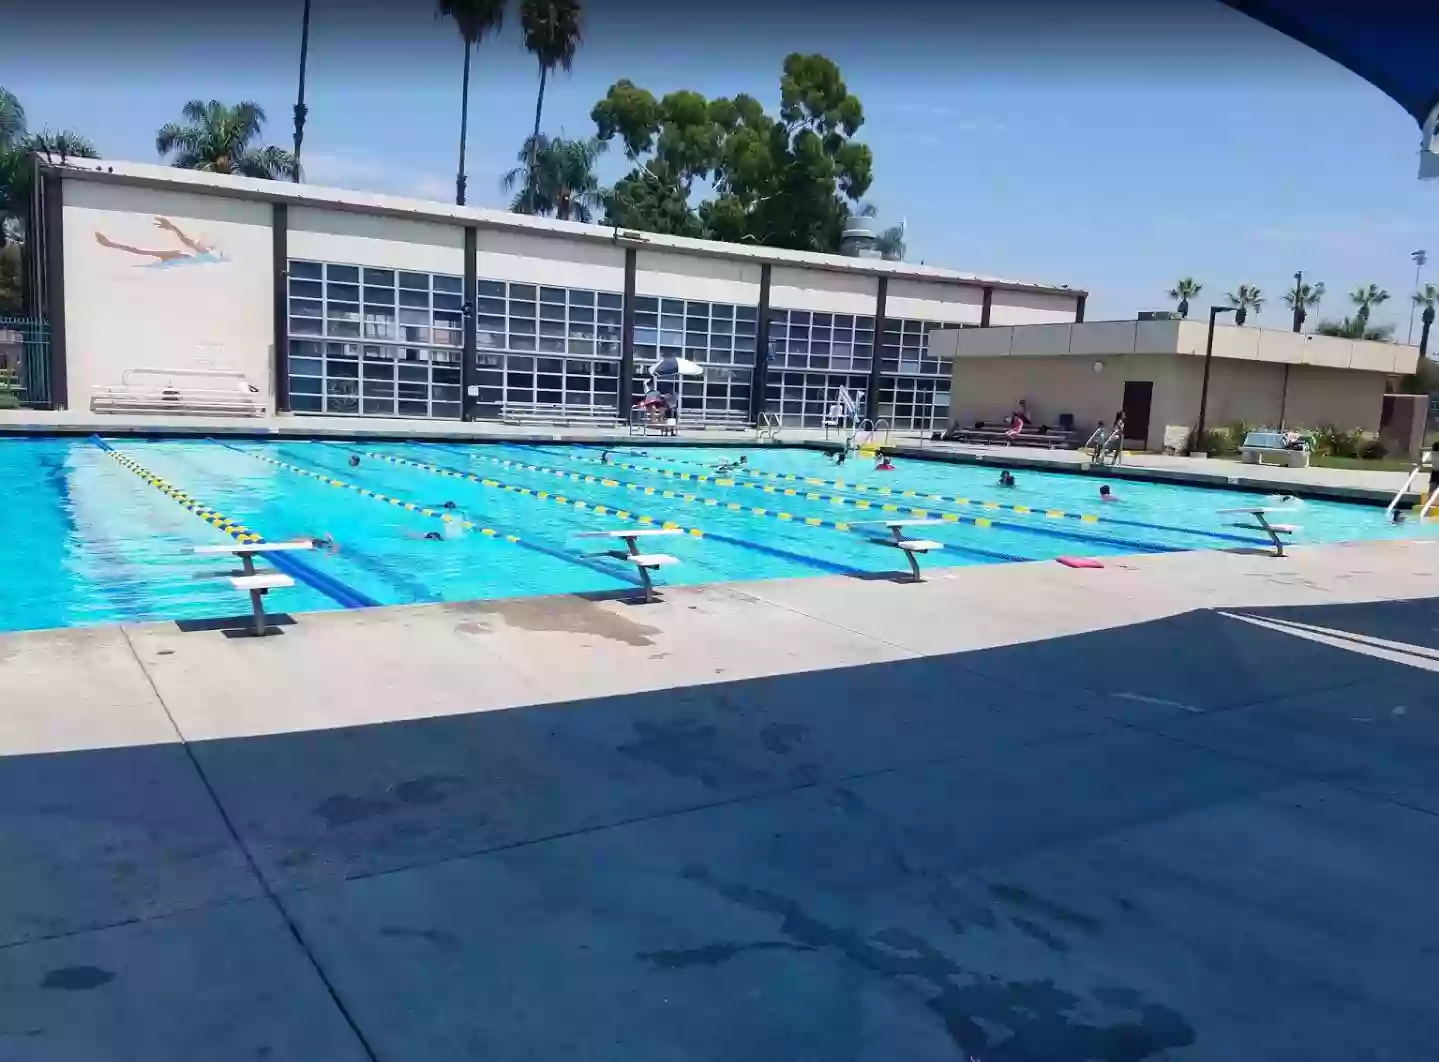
(354, 460)
(325, 542)
(841, 456)
(1106, 495)
(884, 464)
(1006, 478)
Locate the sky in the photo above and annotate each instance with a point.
(1113, 149)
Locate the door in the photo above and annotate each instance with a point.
(1137, 396)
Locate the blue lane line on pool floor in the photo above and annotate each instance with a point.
(342, 595)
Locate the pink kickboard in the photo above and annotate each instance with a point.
(1079, 562)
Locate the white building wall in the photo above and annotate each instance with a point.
(950, 303)
(823, 290)
(680, 276)
(558, 262)
(125, 310)
(1031, 307)
(369, 240)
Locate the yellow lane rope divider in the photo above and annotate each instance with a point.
(724, 481)
(776, 514)
(236, 530)
(439, 514)
(542, 495)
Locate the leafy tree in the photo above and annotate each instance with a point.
(1355, 327)
(220, 138)
(1428, 298)
(789, 181)
(1185, 289)
(1303, 297)
(890, 243)
(17, 144)
(476, 20)
(1366, 298)
(552, 34)
(650, 202)
(11, 286)
(556, 177)
(1247, 297)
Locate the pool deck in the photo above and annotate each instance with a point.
(1181, 807)
(1340, 484)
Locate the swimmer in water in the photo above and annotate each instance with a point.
(1106, 495)
(325, 542)
(1006, 479)
(884, 464)
(354, 460)
(605, 458)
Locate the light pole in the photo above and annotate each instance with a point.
(1419, 257)
(1214, 312)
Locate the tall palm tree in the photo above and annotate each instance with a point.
(476, 20)
(1367, 298)
(556, 177)
(220, 138)
(1302, 298)
(301, 111)
(1245, 298)
(552, 34)
(1428, 298)
(17, 144)
(1185, 289)
(12, 119)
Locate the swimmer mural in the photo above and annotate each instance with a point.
(192, 251)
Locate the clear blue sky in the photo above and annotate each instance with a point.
(1113, 152)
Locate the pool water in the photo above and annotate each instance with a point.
(98, 531)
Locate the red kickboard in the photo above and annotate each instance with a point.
(1079, 562)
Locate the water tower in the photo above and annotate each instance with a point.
(858, 239)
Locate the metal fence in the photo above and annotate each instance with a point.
(24, 362)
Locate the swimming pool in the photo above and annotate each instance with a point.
(101, 527)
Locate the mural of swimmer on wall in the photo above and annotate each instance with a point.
(194, 252)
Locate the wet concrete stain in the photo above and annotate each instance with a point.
(985, 1017)
(344, 809)
(1039, 933)
(714, 954)
(782, 738)
(686, 749)
(1025, 900)
(77, 978)
(557, 615)
(436, 938)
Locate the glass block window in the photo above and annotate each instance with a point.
(719, 336)
(828, 342)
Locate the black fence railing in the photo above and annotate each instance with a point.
(24, 362)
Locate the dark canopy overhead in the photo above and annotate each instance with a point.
(1392, 44)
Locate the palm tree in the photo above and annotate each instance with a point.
(17, 144)
(1185, 289)
(12, 119)
(1427, 297)
(301, 111)
(556, 177)
(476, 20)
(552, 34)
(1355, 328)
(1247, 297)
(1302, 298)
(219, 138)
(1367, 298)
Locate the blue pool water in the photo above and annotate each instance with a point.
(98, 542)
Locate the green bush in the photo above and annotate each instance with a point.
(1329, 441)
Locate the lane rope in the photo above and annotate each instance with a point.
(328, 585)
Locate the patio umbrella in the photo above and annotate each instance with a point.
(674, 365)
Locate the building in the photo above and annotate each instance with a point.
(1153, 370)
(355, 304)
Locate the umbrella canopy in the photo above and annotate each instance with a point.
(673, 365)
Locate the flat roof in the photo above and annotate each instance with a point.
(173, 179)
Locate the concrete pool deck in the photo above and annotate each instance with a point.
(1340, 484)
(1182, 807)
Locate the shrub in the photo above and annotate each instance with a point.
(1373, 450)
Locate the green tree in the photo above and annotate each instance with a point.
(17, 144)
(1355, 327)
(1366, 298)
(650, 202)
(556, 177)
(1303, 297)
(1427, 298)
(476, 20)
(1247, 297)
(1185, 289)
(552, 34)
(221, 138)
(11, 285)
(789, 181)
